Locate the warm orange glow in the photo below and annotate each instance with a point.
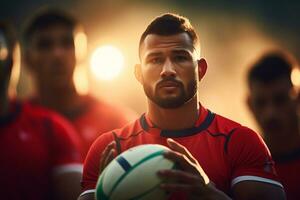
(80, 79)
(15, 74)
(107, 62)
(80, 44)
(3, 53)
(296, 77)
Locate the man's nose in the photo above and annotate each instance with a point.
(168, 69)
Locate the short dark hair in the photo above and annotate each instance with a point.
(48, 17)
(170, 24)
(271, 66)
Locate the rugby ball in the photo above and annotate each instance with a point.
(133, 175)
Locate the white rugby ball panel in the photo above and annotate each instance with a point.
(110, 175)
(134, 154)
(142, 176)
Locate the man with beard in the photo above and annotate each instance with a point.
(217, 158)
(273, 101)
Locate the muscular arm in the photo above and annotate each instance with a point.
(247, 190)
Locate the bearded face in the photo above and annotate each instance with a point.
(169, 69)
(171, 93)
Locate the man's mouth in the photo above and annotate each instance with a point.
(168, 84)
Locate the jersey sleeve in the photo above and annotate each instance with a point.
(92, 162)
(250, 158)
(64, 144)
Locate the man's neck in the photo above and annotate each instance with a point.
(174, 119)
(60, 100)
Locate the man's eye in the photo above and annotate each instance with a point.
(156, 61)
(180, 58)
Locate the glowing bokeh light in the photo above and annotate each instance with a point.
(107, 62)
(80, 42)
(296, 77)
(80, 79)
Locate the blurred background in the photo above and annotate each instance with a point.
(232, 35)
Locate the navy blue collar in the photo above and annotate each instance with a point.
(181, 133)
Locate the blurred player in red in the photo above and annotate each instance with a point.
(218, 158)
(50, 56)
(40, 156)
(273, 101)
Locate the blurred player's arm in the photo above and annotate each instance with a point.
(66, 151)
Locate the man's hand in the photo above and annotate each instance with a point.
(108, 154)
(190, 176)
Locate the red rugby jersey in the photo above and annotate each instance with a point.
(228, 152)
(34, 144)
(94, 117)
(98, 117)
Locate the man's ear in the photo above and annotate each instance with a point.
(138, 73)
(202, 67)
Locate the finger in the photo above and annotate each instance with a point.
(180, 176)
(176, 146)
(180, 148)
(186, 165)
(109, 157)
(180, 159)
(105, 153)
(175, 187)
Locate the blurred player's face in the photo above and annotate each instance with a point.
(169, 69)
(274, 106)
(51, 56)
